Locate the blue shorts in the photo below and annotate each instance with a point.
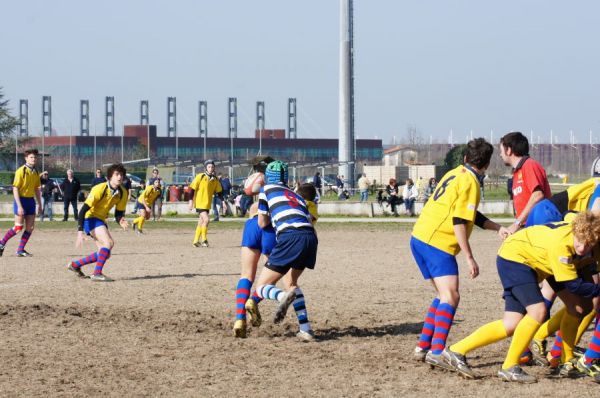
(28, 206)
(90, 224)
(254, 237)
(520, 283)
(295, 249)
(432, 261)
(543, 213)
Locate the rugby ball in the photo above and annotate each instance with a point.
(253, 183)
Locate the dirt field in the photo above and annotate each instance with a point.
(163, 328)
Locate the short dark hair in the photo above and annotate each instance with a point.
(116, 167)
(31, 151)
(307, 191)
(517, 142)
(478, 153)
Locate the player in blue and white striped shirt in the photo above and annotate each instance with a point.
(296, 247)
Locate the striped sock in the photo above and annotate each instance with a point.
(300, 308)
(270, 292)
(9, 234)
(92, 258)
(255, 297)
(242, 292)
(556, 349)
(593, 351)
(443, 322)
(23, 242)
(103, 255)
(428, 325)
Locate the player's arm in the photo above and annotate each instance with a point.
(536, 196)
(264, 217)
(193, 188)
(485, 223)
(120, 211)
(460, 231)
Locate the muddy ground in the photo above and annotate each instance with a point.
(163, 328)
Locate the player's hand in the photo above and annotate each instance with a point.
(513, 228)
(148, 210)
(39, 210)
(191, 205)
(473, 268)
(20, 211)
(79, 240)
(504, 233)
(124, 224)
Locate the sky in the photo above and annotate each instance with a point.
(466, 66)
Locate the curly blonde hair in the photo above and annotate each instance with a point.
(586, 228)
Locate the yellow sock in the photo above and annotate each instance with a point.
(487, 334)
(141, 222)
(203, 231)
(585, 322)
(521, 338)
(568, 329)
(197, 236)
(550, 326)
(137, 221)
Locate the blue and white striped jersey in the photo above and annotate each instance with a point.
(287, 209)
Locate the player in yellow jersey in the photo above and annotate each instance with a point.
(579, 197)
(146, 200)
(442, 230)
(309, 193)
(92, 220)
(26, 185)
(557, 250)
(204, 186)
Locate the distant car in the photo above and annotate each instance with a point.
(135, 180)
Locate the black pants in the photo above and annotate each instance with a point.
(72, 202)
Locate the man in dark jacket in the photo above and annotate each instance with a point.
(98, 178)
(70, 188)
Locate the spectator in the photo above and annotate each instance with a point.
(339, 184)
(410, 195)
(226, 185)
(363, 187)
(318, 182)
(70, 187)
(394, 198)
(48, 189)
(430, 188)
(98, 179)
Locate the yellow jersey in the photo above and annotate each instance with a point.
(102, 198)
(312, 210)
(27, 180)
(547, 249)
(149, 195)
(457, 195)
(205, 187)
(580, 194)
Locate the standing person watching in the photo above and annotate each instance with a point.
(98, 178)
(70, 187)
(363, 187)
(48, 189)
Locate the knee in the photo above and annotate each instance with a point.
(537, 312)
(451, 297)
